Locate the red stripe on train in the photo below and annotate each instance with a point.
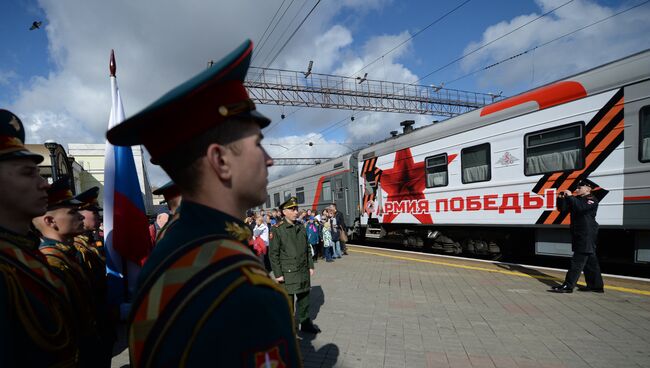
(555, 94)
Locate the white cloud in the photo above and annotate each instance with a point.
(607, 41)
(158, 44)
(298, 146)
(6, 76)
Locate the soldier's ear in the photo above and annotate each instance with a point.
(219, 161)
(48, 220)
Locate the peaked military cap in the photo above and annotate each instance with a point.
(208, 99)
(12, 138)
(587, 183)
(60, 195)
(168, 191)
(289, 203)
(89, 199)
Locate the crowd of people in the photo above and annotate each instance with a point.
(214, 290)
(327, 232)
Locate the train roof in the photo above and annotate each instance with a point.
(631, 69)
(331, 166)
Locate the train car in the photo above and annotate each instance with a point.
(486, 182)
(333, 181)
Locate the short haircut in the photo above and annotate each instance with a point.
(184, 168)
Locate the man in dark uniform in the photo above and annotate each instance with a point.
(58, 228)
(291, 262)
(90, 209)
(172, 195)
(204, 298)
(36, 319)
(584, 233)
(90, 246)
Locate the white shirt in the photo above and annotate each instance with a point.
(263, 232)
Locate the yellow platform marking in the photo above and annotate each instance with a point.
(511, 273)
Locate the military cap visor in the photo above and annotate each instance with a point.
(88, 199)
(169, 190)
(60, 194)
(289, 203)
(12, 138)
(587, 183)
(210, 98)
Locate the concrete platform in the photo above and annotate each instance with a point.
(380, 308)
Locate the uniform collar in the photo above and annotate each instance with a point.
(29, 241)
(211, 220)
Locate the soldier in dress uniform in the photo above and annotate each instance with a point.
(584, 233)
(36, 319)
(90, 209)
(291, 261)
(58, 228)
(204, 298)
(172, 195)
(89, 244)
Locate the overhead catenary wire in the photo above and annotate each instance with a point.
(261, 38)
(263, 43)
(340, 123)
(294, 33)
(387, 53)
(277, 41)
(492, 41)
(546, 43)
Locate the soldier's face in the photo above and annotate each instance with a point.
(290, 214)
(22, 188)
(67, 221)
(583, 190)
(91, 219)
(250, 169)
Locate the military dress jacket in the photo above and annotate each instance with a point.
(36, 319)
(67, 262)
(584, 228)
(205, 300)
(290, 256)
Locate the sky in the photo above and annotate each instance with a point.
(56, 78)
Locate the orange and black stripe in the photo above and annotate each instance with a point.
(370, 170)
(603, 134)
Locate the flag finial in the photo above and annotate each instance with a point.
(111, 65)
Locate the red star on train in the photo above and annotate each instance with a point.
(403, 182)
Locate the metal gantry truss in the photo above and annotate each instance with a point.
(293, 161)
(293, 88)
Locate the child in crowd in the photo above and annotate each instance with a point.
(328, 245)
(261, 241)
(313, 236)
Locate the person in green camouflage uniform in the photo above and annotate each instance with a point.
(292, 263)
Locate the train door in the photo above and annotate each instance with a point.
(636, 195)
(339, 194)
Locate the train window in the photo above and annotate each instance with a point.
(268, 201)
(300, 195)
(327, 191)
(287, 194)
(553, 150)
(475, 163)
(644, 134)
(368, 155)
(338, 165)
(436, 169)
(276, 199)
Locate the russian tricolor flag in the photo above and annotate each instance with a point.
(126, 234)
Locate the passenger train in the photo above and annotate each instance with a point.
(486, 182)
